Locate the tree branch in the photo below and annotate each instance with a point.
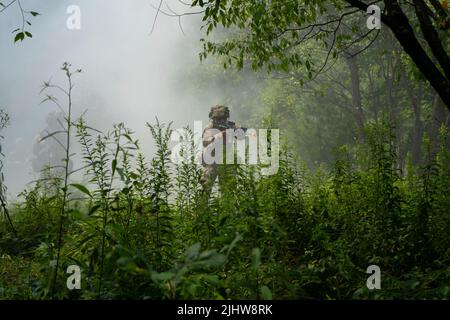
(432, 37)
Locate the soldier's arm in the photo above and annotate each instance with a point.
(209, 137)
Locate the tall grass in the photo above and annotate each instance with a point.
(140, 228)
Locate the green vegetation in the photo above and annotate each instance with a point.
(141, 229)
(363, 179)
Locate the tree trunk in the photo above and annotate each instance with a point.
(439, 117)
(432, 37)
(398, 22)
(356, 94)
(416, 143)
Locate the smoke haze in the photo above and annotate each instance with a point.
(129, 75)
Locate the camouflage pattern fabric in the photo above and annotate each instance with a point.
(211, 171)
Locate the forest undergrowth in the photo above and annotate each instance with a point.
(142, 228)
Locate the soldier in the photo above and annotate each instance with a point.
(219, 119)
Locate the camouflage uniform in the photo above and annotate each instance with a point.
(211, 171)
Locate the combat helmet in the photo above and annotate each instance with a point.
(219, 112)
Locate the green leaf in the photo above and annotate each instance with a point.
(232, 245)
(133, 175)
(51, 135)
(256, 257)
(82, 189)
(20, 36)
(114, 165)
(121, 174)
(28, 34)
(192, 251)
(75, 213)
(266, 294)
(127, 264)
(163, 276)
(209, 259)
(34, 13)
(93, 209)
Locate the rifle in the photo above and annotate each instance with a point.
(229, 125)
(232, 125)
